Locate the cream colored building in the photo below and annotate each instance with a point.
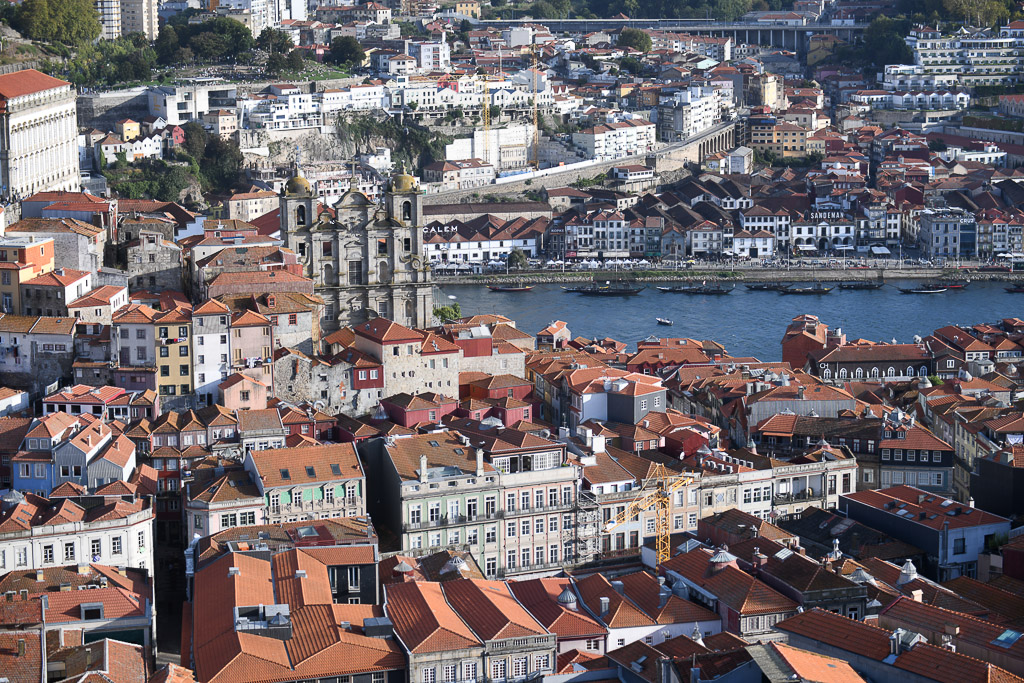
(139, 16)
(38, 134)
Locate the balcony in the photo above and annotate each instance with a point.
(539, 510)
(800, 496)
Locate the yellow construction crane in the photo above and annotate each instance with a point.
(657, 494)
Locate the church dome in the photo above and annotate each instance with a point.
(402, 181)
(298, 185)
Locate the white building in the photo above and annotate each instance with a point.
(37, 535)
(259, 10)
(972, 56)
(760, 244)
(434, 55)
(140, 16)
(38, 134)
(210, 349)
(506, 148)
(616, 140)
(110, 18)
(180, 104)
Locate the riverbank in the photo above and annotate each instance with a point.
(725, 275)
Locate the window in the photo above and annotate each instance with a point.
(115, 545)
(428, 674)
(228, 520)
(469, 668)
(448, 673)
(519, 666)
(377, 677)
(498, 669)
(96, 549)
(593, 644)
(959, 546)
(542, 662)
(47, 554)
(69, 552)
(491, 535)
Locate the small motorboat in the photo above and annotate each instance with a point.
(922, 290)
(510, 288)
(664, 321)
(818, 288)
(1016, 289)
(858, 285)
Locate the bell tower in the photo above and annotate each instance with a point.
(403, 200)
(298, 214)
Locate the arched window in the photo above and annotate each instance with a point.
(924, 371)
(827, 374)
(859, 373)
(842, 373)
(407, 211)
(300, 215)
(891, 372)
(874, 372)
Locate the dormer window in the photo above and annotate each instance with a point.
(92, 611)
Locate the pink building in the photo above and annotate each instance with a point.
(252, 344)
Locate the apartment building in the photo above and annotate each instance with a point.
(309, 482)
(616, 140)
(972, 56)
(38, 532)
(22, 259)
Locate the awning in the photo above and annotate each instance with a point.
(843, 248)
(880, 251)
(806, 247)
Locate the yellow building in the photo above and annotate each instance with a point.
(173, 339)
(127, 129)
(469, 8)
(784, 139)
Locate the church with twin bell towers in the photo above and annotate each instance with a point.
(366, 259)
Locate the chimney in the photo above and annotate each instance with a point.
(598, 443)
(760, 559)
(917, 594)
(479, 462)
(951, 629)
(618, 586)
(604, 606)
(122, 570)
(21, 647)
(800, 392)
(83, 569)
(423, 468)
(39, 575)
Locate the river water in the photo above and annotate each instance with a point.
(747, 323)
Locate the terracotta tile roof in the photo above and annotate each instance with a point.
(643, 589)
(936, 663)
(490, 610)
(258, 420)
(384, 331)
(230, 486)
(424, 620)
(27, 82)
(813, 667)
(925, 508)
(640, 659)
(56, 225)
(575, 661)
(540, 598)
(1009, 604)
(916, 616)
(731, 585)
(839, 632)
(28, 667)
(65, 277)
(405, 454)
(622, 612)
(308, 464)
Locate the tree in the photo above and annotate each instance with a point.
(347, 50)
(274, 40)
(195, 140)
(72, 22)
(166, 44)
(517, 259)
(452, 311)
(276, 63)
(184, 55)
(631, 64)
(636, 39)
(209, 45)
(221, 164)
(296, 62)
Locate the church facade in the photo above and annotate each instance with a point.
(366, 260)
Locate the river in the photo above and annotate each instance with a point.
(747, 323)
